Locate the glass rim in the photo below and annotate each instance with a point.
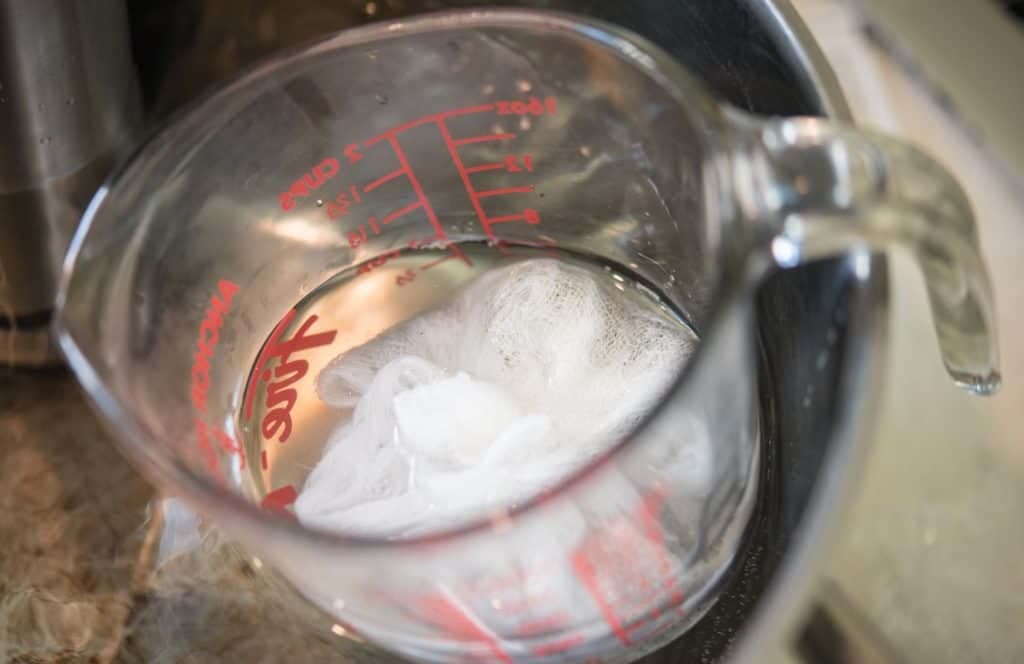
(203, 493)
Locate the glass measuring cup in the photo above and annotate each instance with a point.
(206, 242)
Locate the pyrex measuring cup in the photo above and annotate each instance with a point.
(185, 312)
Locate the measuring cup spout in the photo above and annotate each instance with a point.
(810, 189)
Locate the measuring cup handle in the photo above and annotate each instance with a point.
(812, 189)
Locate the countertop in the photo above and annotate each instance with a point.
(94, 567)
(931, 548)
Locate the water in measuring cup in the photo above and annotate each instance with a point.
(413, 428)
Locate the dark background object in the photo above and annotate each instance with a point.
(1015, 7)
(837, 632)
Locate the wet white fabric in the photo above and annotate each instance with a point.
(526, 374)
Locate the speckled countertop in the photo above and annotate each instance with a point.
(81, 537)
(931, 551)
(69, 546)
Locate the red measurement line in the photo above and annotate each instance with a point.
(263, 460)
(510, 217)
(652, 506)
(417, 187)
(387, 178)
(456, 252)
(230, 445)
(562, 645)
(486, 167)
(434, 117)
(507, 217)
(586, 574)
(279, 499)
(390, 133)
(547, 246)
(482, 108)
(404, 211)
(519, 605)
(462, 625)
(461, 255)
(480, 214)
(262, 359)
(484, 139)
(424, 268)
(501, 192)
(544, 624)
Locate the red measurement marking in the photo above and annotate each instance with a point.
(435, 263)
(456, 253)
(654, 503)
(456, 622)
(531, 107)
(454, 153)
(502, 192)
(542, 625)
(512, 163)
(513, 606)
(387, 178)
(529, 215)
(377, 261)
(427, 207)
(454, 249)
(352, 153)
(427, 119)
(338, 207)
(359, 236)
(280, 397)
(206, 447)
(330, 167)
(559, 646)
(206, 343)
(482, 108)
(406, 277)
(278, 500)
(485, 139)
(308, 183)
(199, 376)
(618, 559)
(391, 133)
(588, 576)
(341, 204)
(230, 445)
(516, 580)
(546, 244)
(263, 460)
(486, 167)
(400, 213)
(459, 254)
